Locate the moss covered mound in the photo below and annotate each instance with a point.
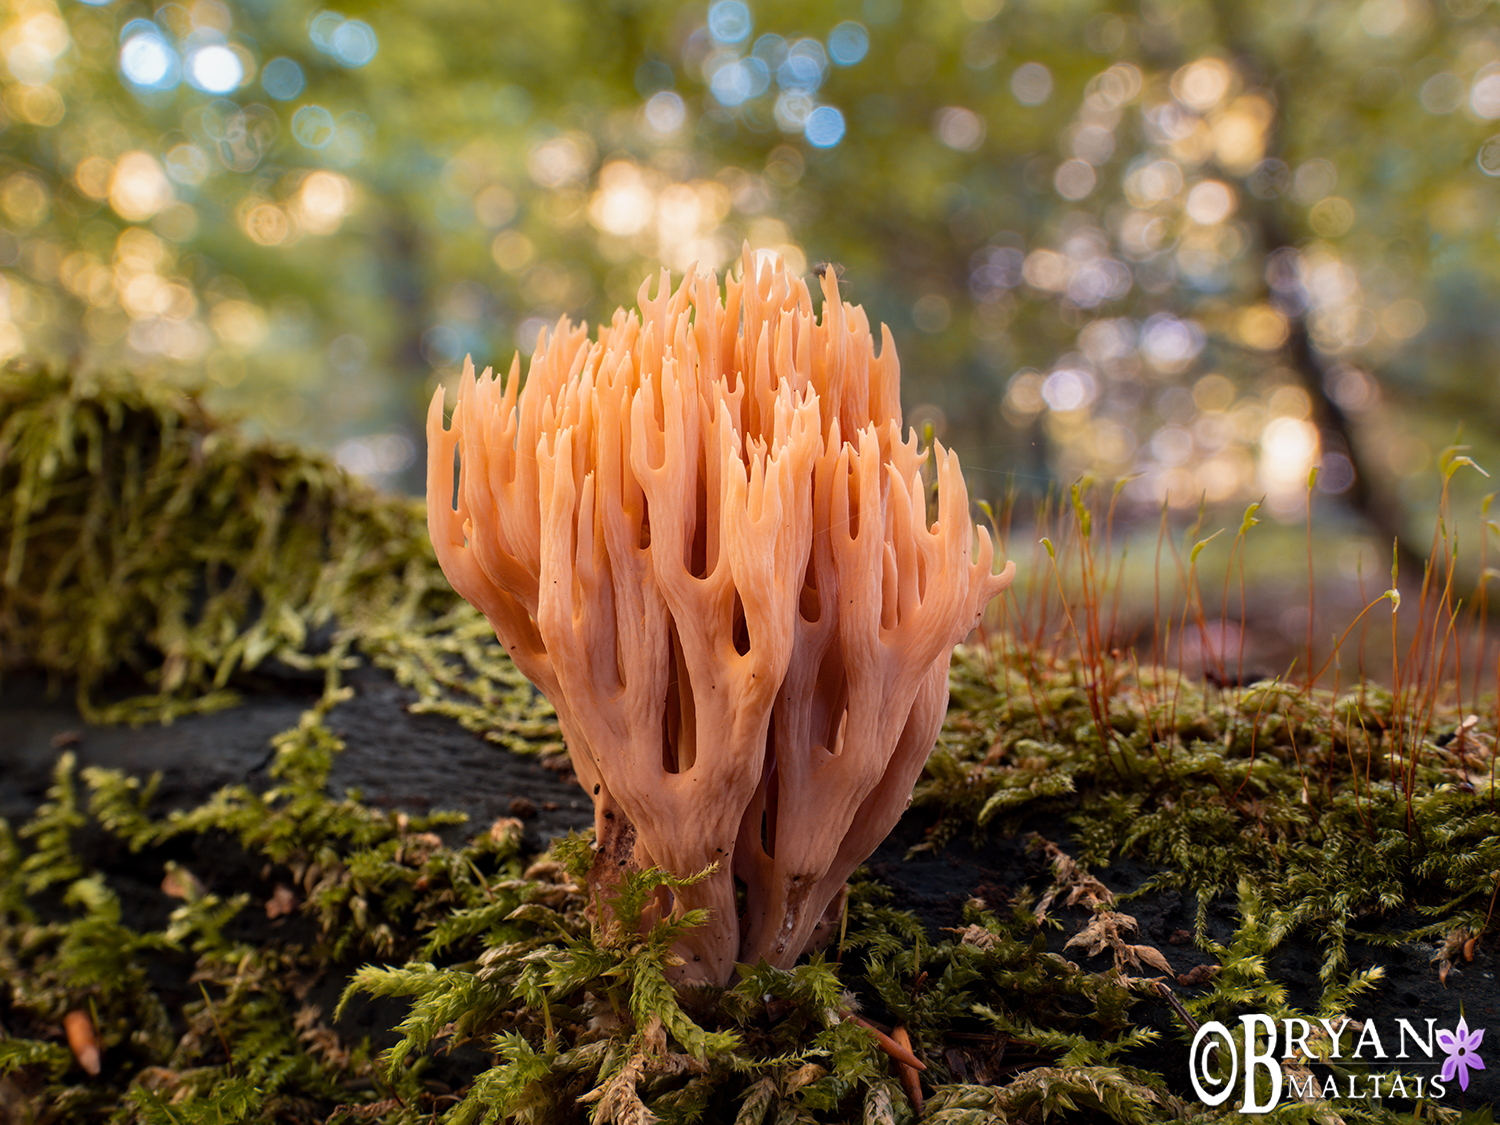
(281, 953)
(152, 555)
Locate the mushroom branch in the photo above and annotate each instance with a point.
(705, 540)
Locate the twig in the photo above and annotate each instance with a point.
(1165, 992)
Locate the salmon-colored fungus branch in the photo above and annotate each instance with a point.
(704, 538)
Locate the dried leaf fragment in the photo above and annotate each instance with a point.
(283, 901)
(618, 1099)
(757, 1102)
(1078, 883)
(1106, 930)
(878, 1107)
(181, 883)
(804, 1075)
(1149, 955)
(978, 937)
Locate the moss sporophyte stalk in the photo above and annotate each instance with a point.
(1315, 854)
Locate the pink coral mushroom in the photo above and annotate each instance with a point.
(705, 540)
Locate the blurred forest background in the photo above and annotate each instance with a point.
(1200, 244)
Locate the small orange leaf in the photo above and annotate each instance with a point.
(81, 1039)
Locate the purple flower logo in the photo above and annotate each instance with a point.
(1462, 1046)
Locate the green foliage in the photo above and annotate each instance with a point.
(446, 997)
(52, 862)
(50, 1058)
(233, 1100)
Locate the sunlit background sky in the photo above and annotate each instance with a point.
(1198, 247)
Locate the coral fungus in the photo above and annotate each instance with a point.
(705, 539)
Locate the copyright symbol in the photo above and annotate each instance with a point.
(1210, 1089)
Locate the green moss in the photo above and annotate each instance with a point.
(148, 545)
(1339, 811)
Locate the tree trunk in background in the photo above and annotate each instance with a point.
(1370, 495)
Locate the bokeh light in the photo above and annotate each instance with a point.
(353, 43)
(729, 21)
(33, 46)
(1488, 157)
(187, 164)
(147, 60)
(1109, 253)
(312, 125)
(803, 70)
(1069, 388)
(736, 81)
(1203, 84)
(378, 457)
(282, 79)
(1209, 202)
(215, 69)
(665, 112)
(792, 112)
(322, 202)
(824, 127)
(1484, 94)
(139, 188)
(1031, 83)
(959, 128)
(848, 43)
(770, 49)
(1074, 179)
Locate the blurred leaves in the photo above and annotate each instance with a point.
(1200, 245)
